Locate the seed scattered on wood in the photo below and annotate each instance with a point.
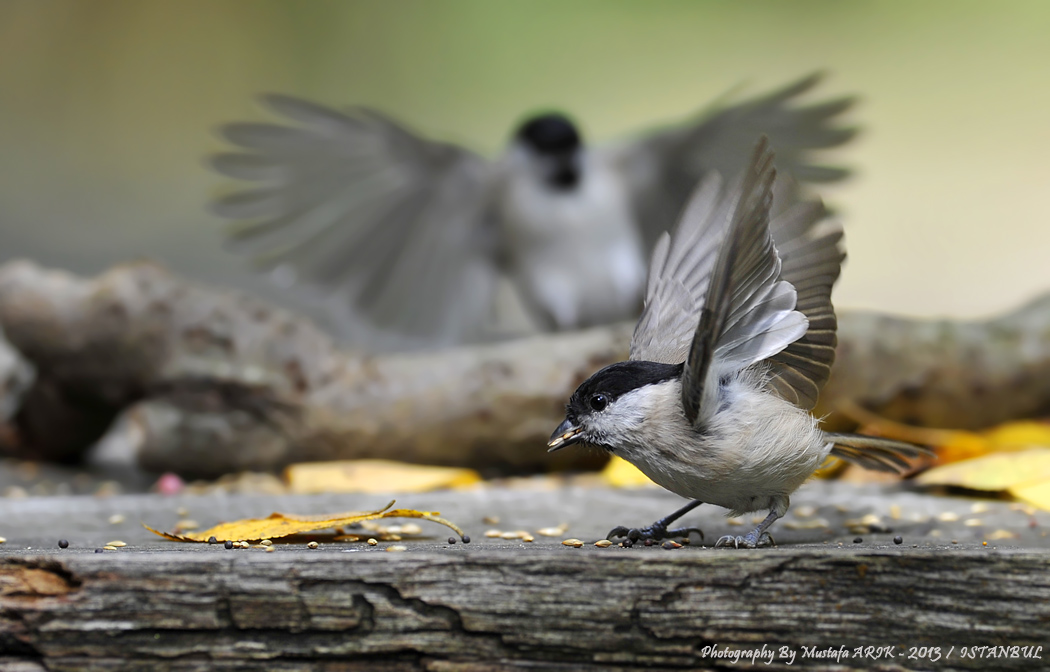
(312, 544)
(671, 544)
(187, 525)
(212, 540)
(898, 540)
(517, 534)
(270, 549)
(116, 519)
(1001, 534)
(895, 511)
(109, 548)
(62, 543)
(955, 541)
(99, 550)
(805, 511)
(973, 522)
(466, 538)
(411, 528)
(490, 520)
(948, 516)
(266, 542)
(858, 540)
(228, 544)
(984, 543)
(117, 544)
(3, 540)
(575, 543)
(493, 534)
(372, 542)
(556, 531)
(603, 543)
(528, 538)
(451, 541)
(980, 507)
(396, 548)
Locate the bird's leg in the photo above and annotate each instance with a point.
(756, 537)
(658, 530)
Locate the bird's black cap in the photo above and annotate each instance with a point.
(550, 134)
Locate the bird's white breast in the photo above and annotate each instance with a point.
(755, 449)
(577, 253)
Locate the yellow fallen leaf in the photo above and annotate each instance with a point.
(279, 525)
(619, 473)
(956, 445)
(1035, 493)
(997, 471)
(374, 476)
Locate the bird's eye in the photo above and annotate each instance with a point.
(599, 402)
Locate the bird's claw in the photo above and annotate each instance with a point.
(750, 540)
(653, 532)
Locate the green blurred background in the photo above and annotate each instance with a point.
(107, 108)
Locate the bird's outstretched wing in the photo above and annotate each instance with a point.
(394, 227)
(811, 259)
(665, 165)
(715, 297)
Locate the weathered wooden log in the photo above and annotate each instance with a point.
(213, 381)
(486, 610)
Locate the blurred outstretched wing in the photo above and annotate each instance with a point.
(664, 166)
(811, 259)
(715, 298)
(393, 227)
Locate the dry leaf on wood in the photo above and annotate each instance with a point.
(279, 525)
(1024, 474)
(619, 473)
(375, 476)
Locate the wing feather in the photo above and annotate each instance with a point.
(392, 229)
(664, 166)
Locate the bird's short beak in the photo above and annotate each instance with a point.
(565, 435)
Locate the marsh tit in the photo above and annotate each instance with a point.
(405, 240)
(734, 344)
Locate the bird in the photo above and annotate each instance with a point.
(734, 344)
(405, 242)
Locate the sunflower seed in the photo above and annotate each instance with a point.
(312, 544)
(575, 543)
(603, 543)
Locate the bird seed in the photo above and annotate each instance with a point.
(266, 542)
(116, 519)
(603, 543)
(312, 544)
(228, 544)
(575, 543)
(451, 541)
(109, 548)
(493, 534)
(372, 542)
(898, 540)
(117, 544)
(396, 548)
(62, 543)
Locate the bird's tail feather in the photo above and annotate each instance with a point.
(872, 452)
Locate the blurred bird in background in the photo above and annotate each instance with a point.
(406, 241)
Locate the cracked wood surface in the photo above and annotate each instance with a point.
(509, 605)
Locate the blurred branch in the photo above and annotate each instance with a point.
(210, 382)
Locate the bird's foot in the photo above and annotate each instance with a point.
(652, 532)
(750, 540)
